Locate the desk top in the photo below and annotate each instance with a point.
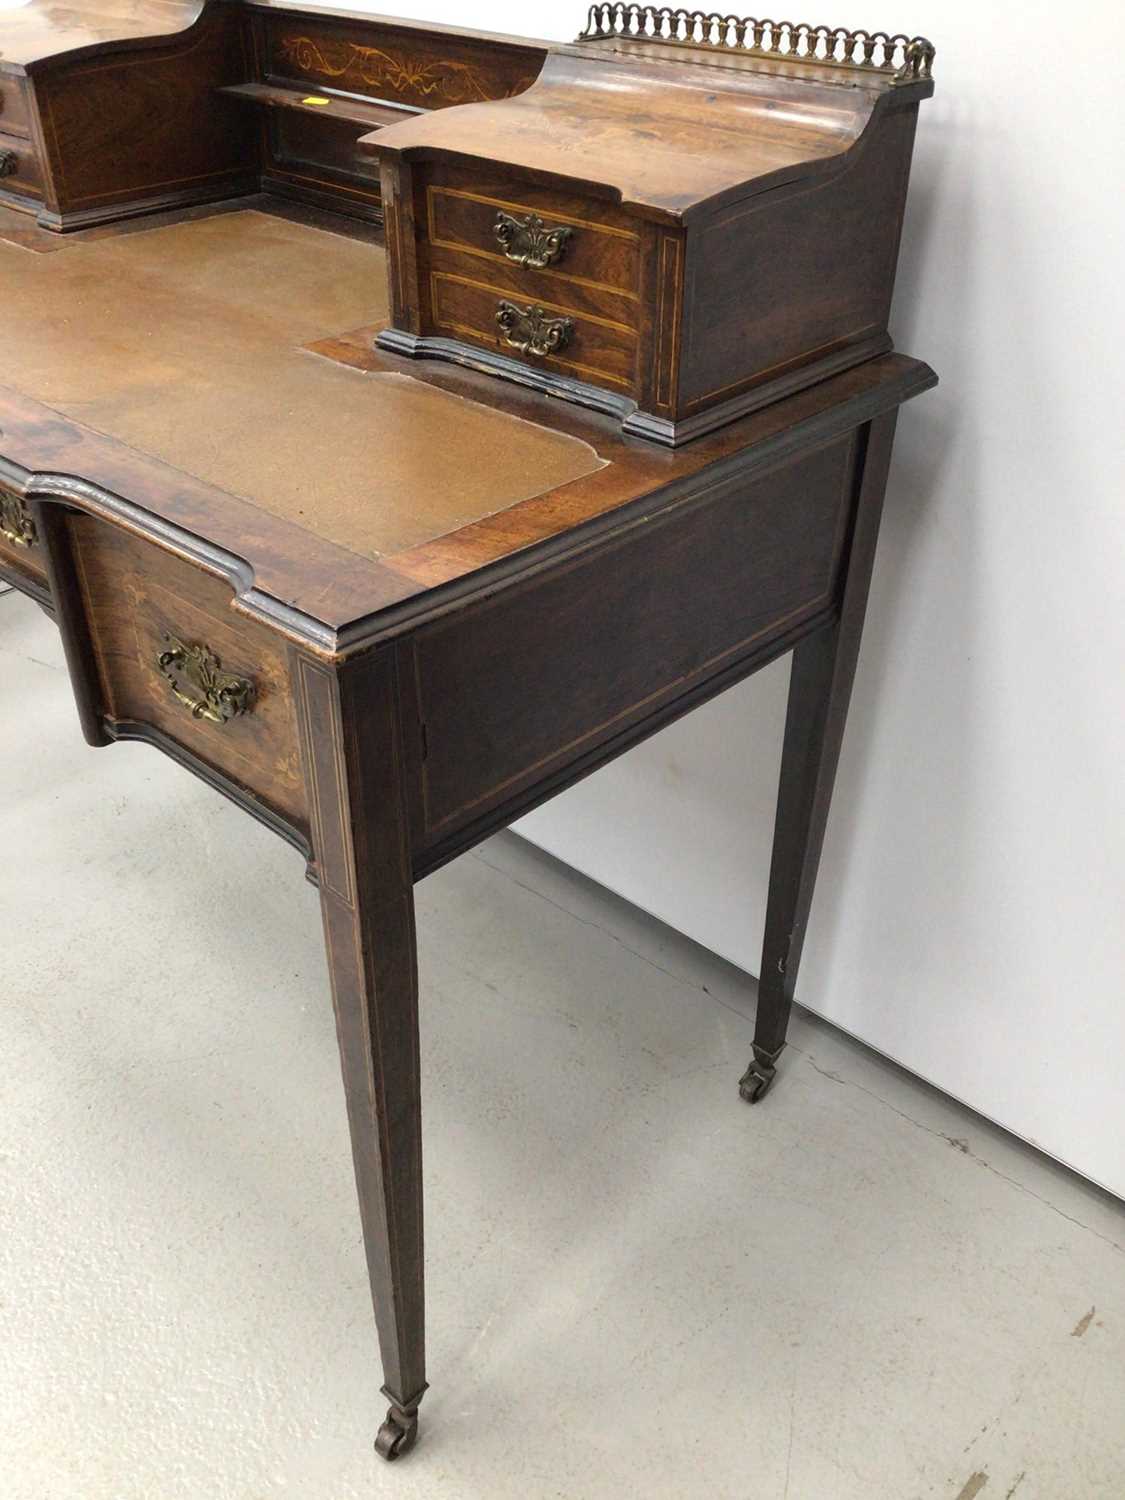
(216, 372)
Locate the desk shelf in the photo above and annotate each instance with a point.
(360, 112)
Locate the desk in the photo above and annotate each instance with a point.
(387, 607)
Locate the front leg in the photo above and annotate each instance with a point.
(820, 690)
(354, 768)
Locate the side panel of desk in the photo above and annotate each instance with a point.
(141, 128)
(552, 676)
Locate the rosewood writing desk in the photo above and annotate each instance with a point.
(388, 604)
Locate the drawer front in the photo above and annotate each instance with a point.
(14, 113)
(19, 166)
(534, 229)
(172, 655)
(498, 314)
(20, 546)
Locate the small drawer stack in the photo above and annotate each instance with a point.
(683, 219)
(513, 266)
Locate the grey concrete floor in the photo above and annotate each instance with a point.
(637, 1284)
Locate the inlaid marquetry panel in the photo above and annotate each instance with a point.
(425, 71)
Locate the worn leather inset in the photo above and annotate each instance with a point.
(184, 342)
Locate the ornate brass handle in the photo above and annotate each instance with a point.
(198, 681)
(15, 520)
(9, 162)
(528, 242)
(531, 331)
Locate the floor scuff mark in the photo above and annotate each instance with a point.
(1083, 1323)
(973, 1485)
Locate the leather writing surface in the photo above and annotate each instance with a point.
(184, 342)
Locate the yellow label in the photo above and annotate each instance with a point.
(315, 99)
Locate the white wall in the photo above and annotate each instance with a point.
(968, 920)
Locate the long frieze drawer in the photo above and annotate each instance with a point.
(20, 544)
(13, 107)
(539, 231)
(172, 655)
(551, 335)
(19, 166)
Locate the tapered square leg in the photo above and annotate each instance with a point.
(820, 688)
(354, 766)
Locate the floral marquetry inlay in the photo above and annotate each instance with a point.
(398, 73)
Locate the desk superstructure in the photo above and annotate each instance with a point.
(109, 110)
(388, 587)
(683, 218)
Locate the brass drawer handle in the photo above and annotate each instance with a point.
(198, 681)
(15, 520)
(9, 162)
(531, 331)
(528, 242)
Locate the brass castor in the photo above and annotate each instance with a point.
(397, 1434)
(756, 1082)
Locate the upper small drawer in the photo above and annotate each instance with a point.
(547, 334)
(537, 230)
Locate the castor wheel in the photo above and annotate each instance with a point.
(756, 1082)
(397, 1434)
